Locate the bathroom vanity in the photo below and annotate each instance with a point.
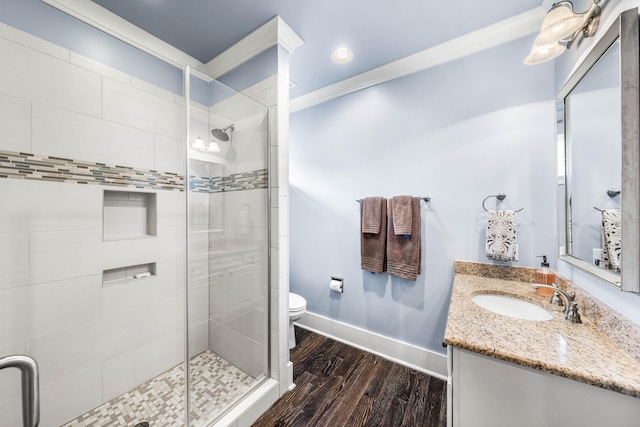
(506, 371)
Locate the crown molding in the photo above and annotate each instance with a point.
(273, 32)
(107, 21)
(490, 36)
(287, 38)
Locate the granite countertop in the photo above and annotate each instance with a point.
(581, 352)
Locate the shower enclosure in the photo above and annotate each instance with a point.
(134, 242)
(228, 241)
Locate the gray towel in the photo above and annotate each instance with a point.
(372, 214)
(404, 252)
(402, 215)
(611, 239)
(501, 235)
(373, 256)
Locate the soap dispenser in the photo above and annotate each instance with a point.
(546, 276)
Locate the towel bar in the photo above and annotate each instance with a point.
(612, 192)
(425, 198)
(499, 196)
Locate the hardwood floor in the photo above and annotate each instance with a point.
(339, 385)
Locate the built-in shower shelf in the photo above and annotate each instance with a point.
(118, 276)
(129, 215)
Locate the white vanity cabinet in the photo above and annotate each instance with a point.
(487, 392)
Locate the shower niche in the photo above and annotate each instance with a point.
(129, 215)
(117, 276)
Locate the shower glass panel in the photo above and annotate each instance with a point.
(228, 258)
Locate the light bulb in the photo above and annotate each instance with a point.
(560, 23)
(213, 147)
(199, 144)
(545, 53)
(342, 55)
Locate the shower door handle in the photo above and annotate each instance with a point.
(30, 387)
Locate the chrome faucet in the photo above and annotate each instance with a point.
(30, 387)
(570, 306)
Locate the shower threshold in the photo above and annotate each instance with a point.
(215, 386)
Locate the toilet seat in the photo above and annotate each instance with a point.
(296, 303)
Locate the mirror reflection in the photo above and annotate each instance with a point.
(598, 141)
(593, 164)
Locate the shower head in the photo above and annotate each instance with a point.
(222, 134)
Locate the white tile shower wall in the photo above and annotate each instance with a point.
(97, 67)
(168, 316)
(51, 247)
(127, 370)
(10, 378)
(199, 336)
(245, 151)
(136, 108)
(66, 86)
(250, 150)
(198, 304)
(59, 305)
(11, 411)
(14, 260)
(237, 296)
(13, 312)
(77, 136)
(169, 154)
(14, 123)
(68, 207)
(62, 399)
(199, 236)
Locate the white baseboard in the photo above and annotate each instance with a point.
(409, 355)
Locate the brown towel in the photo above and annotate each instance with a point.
(402, 215)
(373, 256)
(404, 254)
(371, 214)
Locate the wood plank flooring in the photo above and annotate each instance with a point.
(339, 385)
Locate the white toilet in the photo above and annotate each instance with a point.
(297, 307)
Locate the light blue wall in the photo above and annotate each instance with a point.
(457, 132)
(253, 71)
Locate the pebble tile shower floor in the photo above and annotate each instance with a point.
(215, 384)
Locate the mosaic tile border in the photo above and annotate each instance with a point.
(19, 165)
(16, 165)
(235, 182)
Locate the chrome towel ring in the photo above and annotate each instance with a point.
(499, 196)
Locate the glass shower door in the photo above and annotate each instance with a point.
(228, 258)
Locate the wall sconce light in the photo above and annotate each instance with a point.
(560, 28)
(199, 145)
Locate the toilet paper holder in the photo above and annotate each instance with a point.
(336, 284)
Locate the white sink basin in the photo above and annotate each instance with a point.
(512, 306)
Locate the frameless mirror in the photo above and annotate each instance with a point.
(598, 139)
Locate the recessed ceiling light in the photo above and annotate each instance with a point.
(342, 55)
